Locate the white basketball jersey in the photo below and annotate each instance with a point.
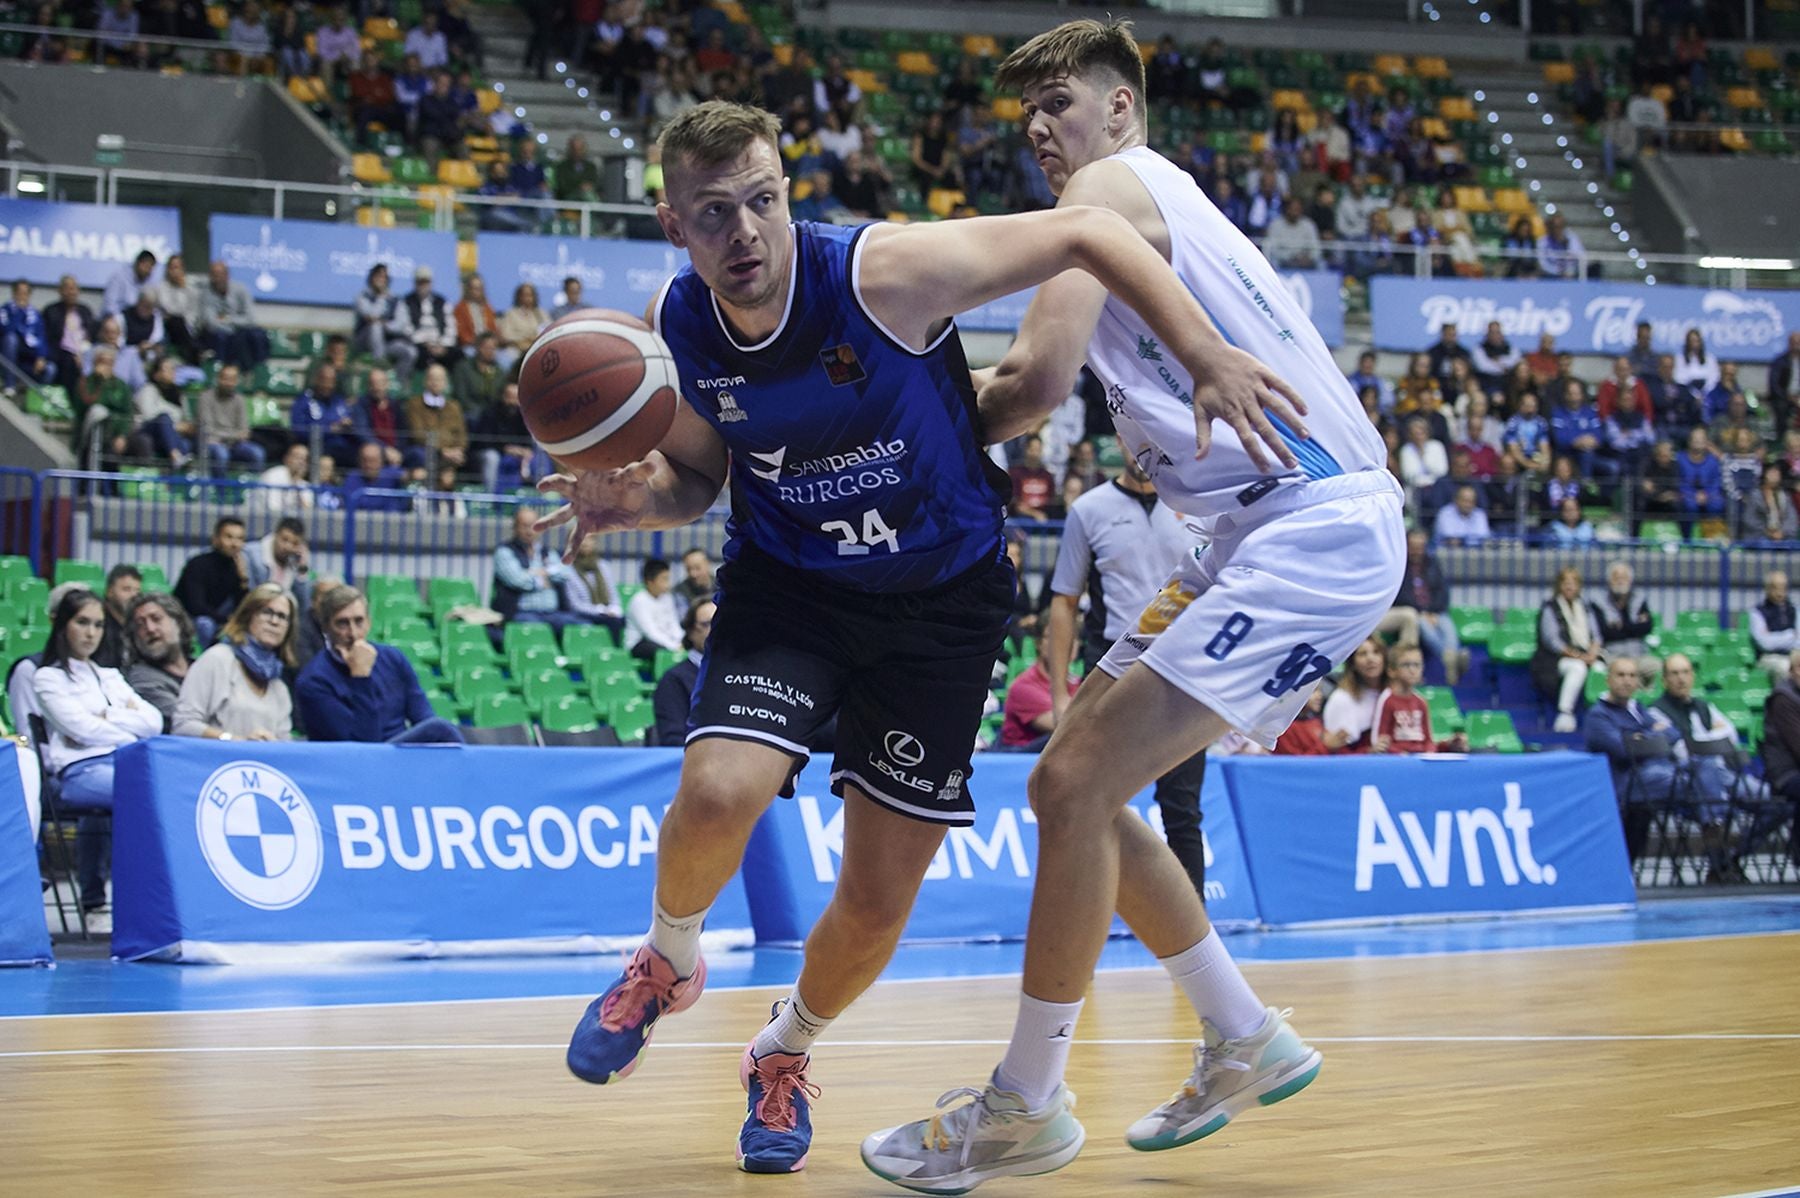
(1150, 395)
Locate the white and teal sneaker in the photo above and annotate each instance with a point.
(993, 1136)
(1229, 1078)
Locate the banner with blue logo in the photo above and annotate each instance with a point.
(625, 275)
(1597, 317)
(979, 885)
(24, 936)
(1397, 837)
(1320, 294)
(242, 852)
(321, 262)
(42, 242)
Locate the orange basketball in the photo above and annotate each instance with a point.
(598, 389)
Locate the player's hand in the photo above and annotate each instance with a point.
(597, 501)
(1235, 387)
(1379, 745)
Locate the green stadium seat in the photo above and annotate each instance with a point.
(446, 593)
(1474, 625)
(1494, 731)
(540, 686)
(525, 656)
(664, 659)
(461, 656)
(499, 711)
(155, 579)
(581, 641)
(13, 570)
(443, 705)
(472, 682)
(567, 713)
(631, 719)
(612, 690)
(455, 633)
(516, 635)
(31, 596)
(1512, 646)
(71, 569)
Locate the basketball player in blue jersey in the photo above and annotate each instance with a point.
(864, 573)
(1301, 567)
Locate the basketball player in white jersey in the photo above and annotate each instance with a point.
(1302, 566)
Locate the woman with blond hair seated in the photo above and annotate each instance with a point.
(235, 690)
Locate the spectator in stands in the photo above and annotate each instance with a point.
(1033, 485)
(1774, 631)
(1768, 511)
(374, 99)
(128, 363)
(478, 378)
(1263, 208)
(651, 622)
(435, 419)
(1625, 621)
(1519, 250)
(120, 27)
(1402, 719)
(1621, 382)
(675, 689)
(292, 471)
(1526, 442)
(1702, 479)
(1424, 590)
(1696, 369)
(1232, 206)
(933, 156)
(1480, 443)
(571, 299)
(1576, 431)
(1643, 355)
(1675, 407)
(160, 634)
(1444, 353)
(506, 459)
(160, 414)
(124, 582)
(441, 119)
(1292, 241)
(235, 690)
(89, 710)
(529, 576)
(1350, 711)
(248, 36)
(835, 89)
(588, 589)
(374, 324)
(1618, 139)
(1647, 115)
(423, 318)
(863, 186)
(697, 578)
(376, 417)
(212, 584)
(23, 339)
(228, 318)
(1366, 376)
(1570, 528)
(282, 558)
(373, 473)
(126, 283)
(1463, 521)
(1781, 742)
(222, 416)
(103, 403)
(426, 42)
(321, 411)
(520, 324)
(1659, 488)
(1569, 631)
(411, 85)
(1717, 400)
(70, 326)
(1419, 380)
(1305, 737)
(577, 176)
(339, 46)
(357, 690)
(1423, 460)
(1784, 382)
(1560, 252)
(1494, 358)
(1612, 726)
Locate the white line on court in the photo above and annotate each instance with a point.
(737, 1045)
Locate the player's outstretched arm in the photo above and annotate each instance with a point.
(913, 277)
(673, 485)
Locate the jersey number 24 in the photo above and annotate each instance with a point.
(875, 531)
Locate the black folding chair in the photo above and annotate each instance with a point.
(57, 830)
(1655, 827)
(511, 734)
(599, 738)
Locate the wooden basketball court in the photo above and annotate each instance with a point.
(1668, 1068)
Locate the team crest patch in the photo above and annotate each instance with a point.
(1163, 609)
(841, 366)
(729, 412)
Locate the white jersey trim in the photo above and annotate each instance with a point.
(856, 252)
(786, 311)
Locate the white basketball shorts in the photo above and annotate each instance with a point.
(1251, 623)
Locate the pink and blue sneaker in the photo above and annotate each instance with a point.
(615, 1029)
(777, 1133)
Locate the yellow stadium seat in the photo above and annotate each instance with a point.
(868, 81)
(481, 141)
(1473, 199)
(436, 194)
(488, 101)
(312, 43)
(1146, 51)
(943, 201)
(1434, 128)
(218, 16)
(1008, 108)
(1761, 58)
(1733, 139)
(1307, 119)
(1663, 93)
(1512, 200)
(1431, 67)
(915, 62)
(1390, 64)
(1558, 73)
(784, 53)
(1259, 141)
(981, 45)
(382, 29)
(309, 90)
(734, 11)
(369, 168)
(1456, 108)
(468, 258)
(1744, 97)
(801, 189)
(459, 173)
(376, 218)
(1372, 81)
(1287, 97)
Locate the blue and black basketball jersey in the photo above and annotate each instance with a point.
(852, 456)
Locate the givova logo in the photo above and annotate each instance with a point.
(1422, 858)
(259, 835)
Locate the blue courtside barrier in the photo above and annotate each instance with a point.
(234, 852)
(1383, 838)
(979, 886)
(24, 937)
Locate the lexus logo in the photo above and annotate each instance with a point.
(904, 749)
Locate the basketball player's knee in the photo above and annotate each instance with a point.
(872, 910)
(1058, 794)
(716, 805)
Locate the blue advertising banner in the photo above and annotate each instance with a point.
(24, 936)
(625, 275)
(240, 852)
(979, 885)
(1599, 317)
(1399, 837)
(1320, 294)
(1003, 315)
(319, 262)
(43, 242)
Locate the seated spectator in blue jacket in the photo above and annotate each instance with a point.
(1715, 777)
(373, 473)
(675, 689)
(1462, 522)
(1570, 528)
(1630, 433)
(505, 218)
(323, 407)
(354, 689)
(22, 337)
(1576, 430)
(1702, 477)
(1526, 441)
(1616, 720)
(527, 175)
(1674, 406)
(528, 577)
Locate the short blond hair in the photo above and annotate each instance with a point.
(1076, 48)
(716, 132)
(237, 628)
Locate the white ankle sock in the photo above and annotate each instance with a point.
(1038, 1055)
(791, 1031)
(678, 939)
(1210, 979)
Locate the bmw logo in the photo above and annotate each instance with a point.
(259, 835)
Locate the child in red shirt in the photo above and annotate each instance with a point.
(1402, 720)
